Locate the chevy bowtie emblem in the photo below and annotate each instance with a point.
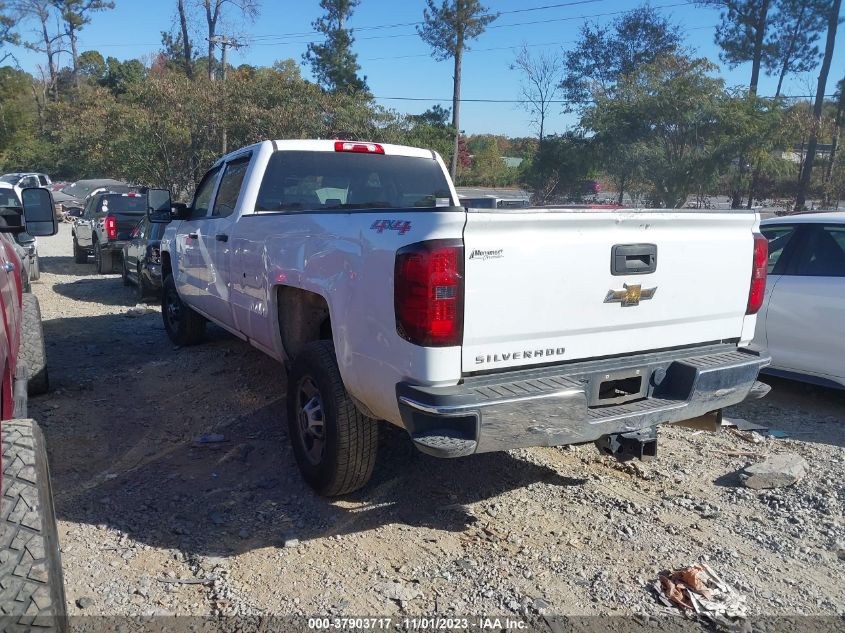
(630, 296)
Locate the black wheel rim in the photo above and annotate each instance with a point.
(172, 309)
(310, 420)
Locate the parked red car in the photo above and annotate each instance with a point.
(31, 586)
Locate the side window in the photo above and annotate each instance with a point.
(30, 181)
(779, 237)
(202, 197)
(230, 187)
(824, 255)
(156, 231)
(89, 206)
(43, 181)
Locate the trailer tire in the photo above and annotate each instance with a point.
(32, 595)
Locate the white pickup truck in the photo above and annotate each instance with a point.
(475, 330)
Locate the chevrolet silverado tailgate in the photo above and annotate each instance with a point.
(551, 285)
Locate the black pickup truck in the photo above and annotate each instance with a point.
(106, 226)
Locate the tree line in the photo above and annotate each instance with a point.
(660, 123)
(653, 120)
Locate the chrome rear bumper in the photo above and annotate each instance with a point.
(555, 406)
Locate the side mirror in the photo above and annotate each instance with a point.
(38, 212)
(181, 211)
(75, 212)
(159, 206)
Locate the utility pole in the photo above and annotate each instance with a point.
(225, 42)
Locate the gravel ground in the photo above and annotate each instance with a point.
(154, 522)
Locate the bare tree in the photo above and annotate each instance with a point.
(7, 34)
(540, 85)
(807, 171)
(214, 9)
(447, 29)
(76, 15)
(186, 39)
(50, 44)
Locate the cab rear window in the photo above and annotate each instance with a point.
(130, 205)
(310, 181)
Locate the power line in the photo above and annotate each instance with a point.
(561, 101)
(267, 42)
(473, 50)
(502, 48)
(375, 27)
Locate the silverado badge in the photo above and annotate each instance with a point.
(630, 295)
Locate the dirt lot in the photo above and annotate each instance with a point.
(147, 512)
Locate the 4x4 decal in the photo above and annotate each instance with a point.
(402, 226)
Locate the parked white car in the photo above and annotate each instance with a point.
(804, 306)
(22, 180)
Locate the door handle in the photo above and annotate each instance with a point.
(633, 259)
(193, 236)
(221, 238)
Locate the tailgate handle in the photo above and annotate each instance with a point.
(633, 259)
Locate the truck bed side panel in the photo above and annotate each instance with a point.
(348, 260)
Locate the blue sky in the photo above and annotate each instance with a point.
(398, 64)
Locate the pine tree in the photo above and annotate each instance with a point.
(76, 14)
(447, 29)
(333, 63)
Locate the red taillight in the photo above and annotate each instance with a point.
(111, 227)
(363, 148)
(758, 274)
(428, 291)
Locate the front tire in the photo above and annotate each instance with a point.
(335, 445)
(32, 593)
(80, 256)
(183, 325)
(32, 349)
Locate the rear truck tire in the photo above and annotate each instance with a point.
(32, 594)
(32, 350)
(80, 255)
(184, 326)
(104, 259)
(98, 259)
(124, 273)
(335, 445)
(35, 270)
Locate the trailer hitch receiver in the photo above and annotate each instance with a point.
(640, 444)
